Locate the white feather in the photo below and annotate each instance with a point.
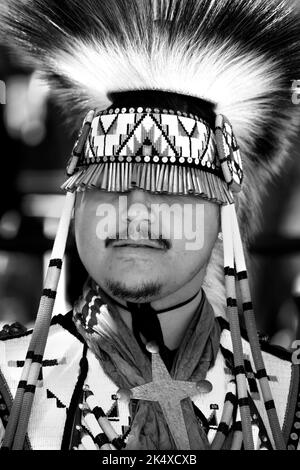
(219, 74)
(213, 285)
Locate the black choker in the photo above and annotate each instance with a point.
(128, 307)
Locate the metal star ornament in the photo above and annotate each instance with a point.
(169, 393)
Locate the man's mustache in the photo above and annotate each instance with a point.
(162, 242)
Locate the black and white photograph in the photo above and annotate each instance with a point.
(149, 228)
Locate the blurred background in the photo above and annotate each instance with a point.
(35, 146)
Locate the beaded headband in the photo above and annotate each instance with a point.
(158, 150)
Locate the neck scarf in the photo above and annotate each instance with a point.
(128, 366)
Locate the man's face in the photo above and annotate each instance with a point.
(143, 247)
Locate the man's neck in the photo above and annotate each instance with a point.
(174, 321)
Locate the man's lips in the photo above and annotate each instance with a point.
(152, 244)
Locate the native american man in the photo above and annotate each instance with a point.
(188, 113)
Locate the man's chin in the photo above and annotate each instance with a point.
(133, 290)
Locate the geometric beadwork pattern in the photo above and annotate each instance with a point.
(156, 150)
(229, 153)
(113, 413)
(151, 136)
(51, 395)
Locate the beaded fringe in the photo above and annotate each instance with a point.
(166, 179)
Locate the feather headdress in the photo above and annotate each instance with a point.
(241, 56)
(237, 58)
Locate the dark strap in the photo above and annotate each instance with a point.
(74, 413)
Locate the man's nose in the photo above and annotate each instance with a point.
(138, 196)
(138, 205)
